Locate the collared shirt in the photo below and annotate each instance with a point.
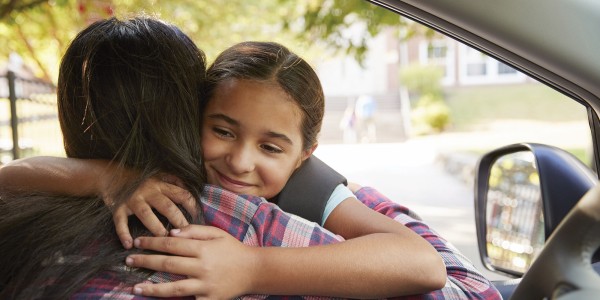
(256, 222)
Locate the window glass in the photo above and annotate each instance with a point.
(423, 143)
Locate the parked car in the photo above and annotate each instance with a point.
(537, 206)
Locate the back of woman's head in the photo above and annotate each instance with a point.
(128, 91)
(272, 62)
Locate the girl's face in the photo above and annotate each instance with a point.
(251, 137)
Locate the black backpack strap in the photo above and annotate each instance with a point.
(308, 189)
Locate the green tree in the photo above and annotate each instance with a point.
(39, 30)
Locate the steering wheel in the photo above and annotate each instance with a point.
(563, 270)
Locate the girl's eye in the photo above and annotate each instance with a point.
(271, 148)
(222, 132)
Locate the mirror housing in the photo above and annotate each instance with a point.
(563, 180)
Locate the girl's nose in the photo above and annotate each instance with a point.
(241, 160)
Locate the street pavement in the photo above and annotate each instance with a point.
(412, 173)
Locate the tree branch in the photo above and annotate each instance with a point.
(33, 54)
(16, 5)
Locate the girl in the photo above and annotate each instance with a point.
(277, 148)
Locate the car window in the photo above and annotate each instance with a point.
(425, 146)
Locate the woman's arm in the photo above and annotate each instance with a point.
(54, 175)
(87, 177)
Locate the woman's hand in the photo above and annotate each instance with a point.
(218, 266)
(354, 187)
(161, 193)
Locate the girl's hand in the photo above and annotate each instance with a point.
(218, 266)
(154, 193)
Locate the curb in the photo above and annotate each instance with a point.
(459, 164)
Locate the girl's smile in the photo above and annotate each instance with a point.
(229, 183)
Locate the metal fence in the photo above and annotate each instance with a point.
(28, 118)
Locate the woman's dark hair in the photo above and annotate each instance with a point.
(128, 91)
(272, 62)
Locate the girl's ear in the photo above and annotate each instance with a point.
(308, 152)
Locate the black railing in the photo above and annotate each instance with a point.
(17, 91)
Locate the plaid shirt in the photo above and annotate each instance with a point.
(257, 222)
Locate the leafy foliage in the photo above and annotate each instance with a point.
(423, 79)
(40, 30)
(431, 113)
(340, 24)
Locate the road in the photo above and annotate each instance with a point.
(411, 174)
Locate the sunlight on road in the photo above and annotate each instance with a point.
(411, 174)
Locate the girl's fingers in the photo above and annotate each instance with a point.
(181, 196)
(169, 210)
(185, 287)
(149, 219)
(171, 245)
(198, 232)
(121, 225)
(164, 263)
(172, 179)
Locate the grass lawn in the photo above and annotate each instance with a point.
(528, 112)
(481, 104)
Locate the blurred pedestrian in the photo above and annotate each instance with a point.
(365, 109)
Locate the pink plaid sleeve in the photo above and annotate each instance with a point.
(464, 281)
(256, 222)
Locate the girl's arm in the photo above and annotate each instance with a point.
(393, 262)
(87, 177)
(463, 279)
(372, 266)
(219, 266)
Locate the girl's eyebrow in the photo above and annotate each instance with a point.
(234, 122)
(280, 136)
(224, 118)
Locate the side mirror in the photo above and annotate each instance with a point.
(522, 192)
